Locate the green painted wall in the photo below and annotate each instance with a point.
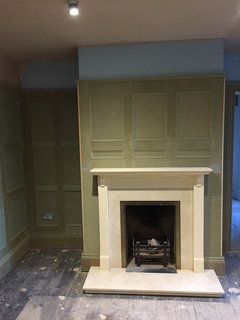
(152, 123)
(2, 218)
(13, 217)
(52, 151)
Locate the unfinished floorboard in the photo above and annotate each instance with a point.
(47, 285)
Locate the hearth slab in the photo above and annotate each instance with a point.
(182, 283)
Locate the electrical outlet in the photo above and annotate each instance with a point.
(49, 216)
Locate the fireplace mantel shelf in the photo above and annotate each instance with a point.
(151, 171)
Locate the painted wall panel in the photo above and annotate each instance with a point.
(53, 171)
(70, 167)
(41, 121)
(186, 131)
(111, 110)
(69, 127)
(194, 115)
(194, 124)
(149, 117)
(13, 224)
(45, 165)
(13, 169)
(46, 202)
(2, 218)
(11, 124)
(16, 209)
(73, 207)
(2, 227)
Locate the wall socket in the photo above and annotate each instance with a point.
(49, 216)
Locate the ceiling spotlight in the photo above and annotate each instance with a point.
(73, 7)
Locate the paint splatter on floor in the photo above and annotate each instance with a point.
(47, 285)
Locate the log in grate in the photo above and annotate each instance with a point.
(153, 251)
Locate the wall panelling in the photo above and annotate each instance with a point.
(51, 132)
(152, 123)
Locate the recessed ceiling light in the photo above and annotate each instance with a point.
(73, 7)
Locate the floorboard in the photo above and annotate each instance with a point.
(47, 285)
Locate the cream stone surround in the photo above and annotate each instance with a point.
(152, 184)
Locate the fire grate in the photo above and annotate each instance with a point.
(153, 251)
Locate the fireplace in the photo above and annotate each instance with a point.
(152, 202)
(149, 225)
(183, 185)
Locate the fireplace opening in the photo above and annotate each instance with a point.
(150, 235)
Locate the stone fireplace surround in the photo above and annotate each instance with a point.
(185, 185)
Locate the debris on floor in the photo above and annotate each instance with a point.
(43, 268)
(234, 290)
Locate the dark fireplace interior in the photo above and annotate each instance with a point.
(144, 220)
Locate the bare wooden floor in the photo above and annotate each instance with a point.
(47, 285)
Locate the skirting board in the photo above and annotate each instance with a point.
(45, 241)
(87, 261)
(215, 263)
(13, 256)
(182, 283)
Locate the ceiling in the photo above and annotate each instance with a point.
(41, 30)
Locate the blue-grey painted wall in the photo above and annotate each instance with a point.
(232, 66)
(151, 59)
(236, 154)
(49, 75)
(232, 71)
(128, 61)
